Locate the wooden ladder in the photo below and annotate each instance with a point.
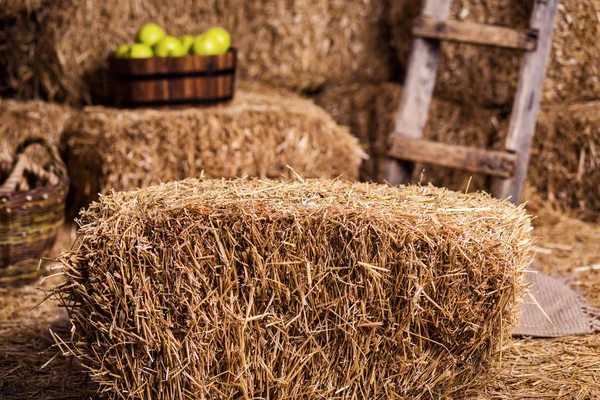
(406, 143)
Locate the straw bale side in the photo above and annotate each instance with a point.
(488, 76)
(370, 111)
(304, 289)
(298, 45)
(260, 134)
(565, 160)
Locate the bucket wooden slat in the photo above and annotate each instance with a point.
(174, 81)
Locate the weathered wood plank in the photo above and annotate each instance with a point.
(527, 98)
(473, 33)
(495, 163)
(418, 90)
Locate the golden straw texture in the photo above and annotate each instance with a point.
(565, 160)
(300, 45)
(260, 134)
(306, 289)
(489, 76)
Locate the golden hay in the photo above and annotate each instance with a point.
(489, 76)
(299, 45)
(21, 119)
(307, 289)
(565, 160)
(565, 368)
(260, 134)
(370, 112)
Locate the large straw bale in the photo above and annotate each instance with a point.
(300, 45)
(565, 161)
(260, 134)
(293, 290)
(370, 112)
(489, 76)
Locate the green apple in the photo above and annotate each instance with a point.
(167, 46)
(187, 41)
(221, 36)
(150, 34)
(140, 50)
(122, 51)
(206, 46)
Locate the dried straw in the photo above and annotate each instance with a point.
(31, 367)
(19, 120)
(307, 289)
(260, 134)
(565, 368)
(530, 368)
(370, 112)
(565, 160)
(488, 76)
(299, 45)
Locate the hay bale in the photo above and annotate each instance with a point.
(260, 134)
(370, 112)
(472, 74)
(299, 45)
(565, 161)
(21, 119)
(312, 288)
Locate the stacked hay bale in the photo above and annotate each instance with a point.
(565, 166)
(299, 45)
(488, 76)
(19, 120)
(370, 112)
(261, 133)
(303, 289)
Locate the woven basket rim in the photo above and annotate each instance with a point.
(35, 194)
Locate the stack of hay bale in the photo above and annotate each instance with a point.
(298, 45)
(479, 83)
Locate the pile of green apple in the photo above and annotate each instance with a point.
(152, 41)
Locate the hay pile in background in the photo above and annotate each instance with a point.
(565, 160)
(299, 45)
(19, 120)
(260, 134)
(489, 76)
(370, 112)
(305, 289)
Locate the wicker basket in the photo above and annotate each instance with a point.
(30, 219)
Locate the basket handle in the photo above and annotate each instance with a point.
(13, 180)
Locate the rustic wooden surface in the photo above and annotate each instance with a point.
(527, 98)
(417, 93)
(174, 81)
(479, 34)
(495, 163)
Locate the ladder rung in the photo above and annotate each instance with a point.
(473, 33)
(490, 162)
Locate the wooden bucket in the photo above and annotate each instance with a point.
(191, 80)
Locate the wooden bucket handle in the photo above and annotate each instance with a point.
(13, 180)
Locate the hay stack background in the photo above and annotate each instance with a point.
(299, 45)
(565, 160)
(259, 134)
(370, 111)
(19, 120)
(488, 76)
(294, 289)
